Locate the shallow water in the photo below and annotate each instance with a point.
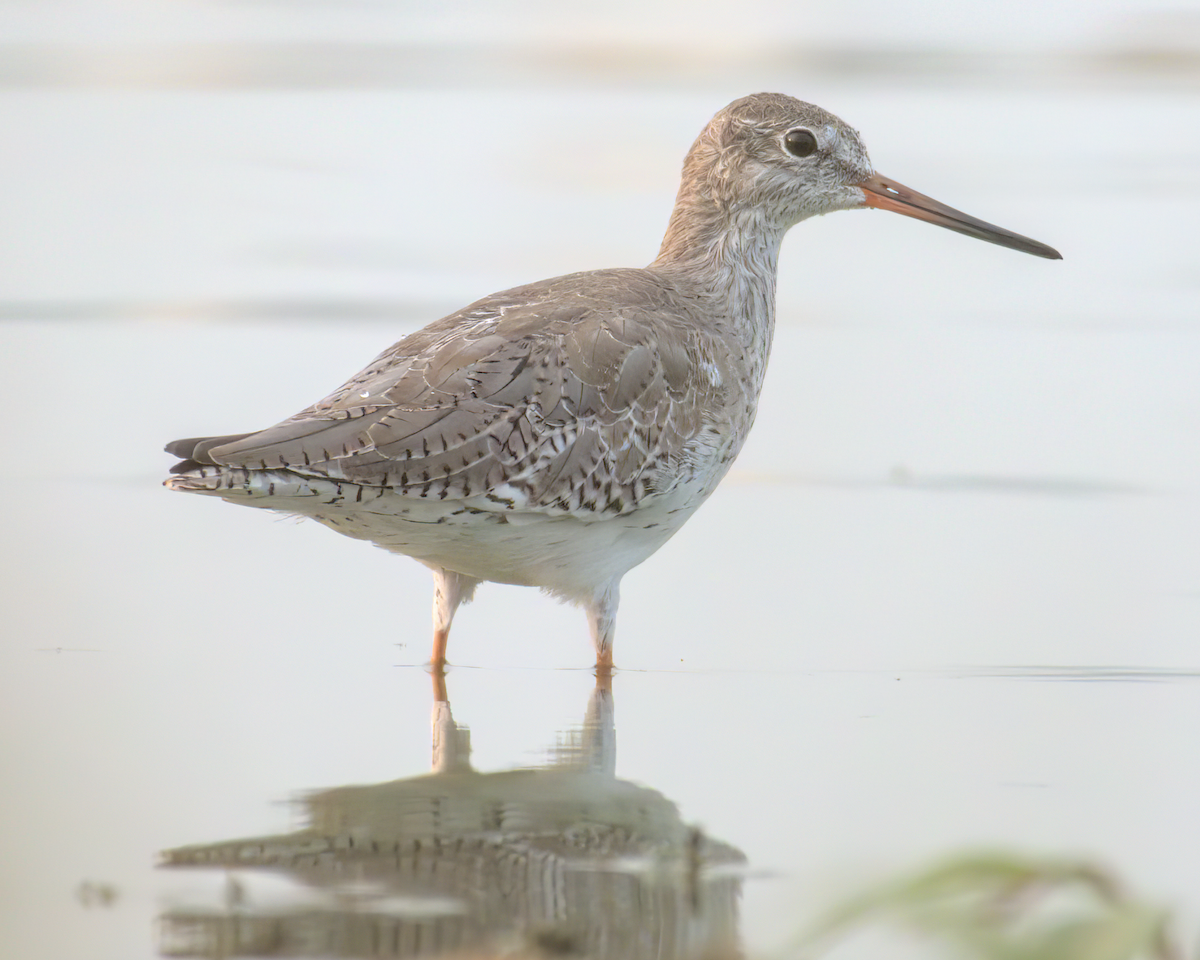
(948, 599)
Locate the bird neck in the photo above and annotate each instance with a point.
(731, 254)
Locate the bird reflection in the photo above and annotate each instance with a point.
(559, 860)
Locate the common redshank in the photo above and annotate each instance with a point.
(557, 434)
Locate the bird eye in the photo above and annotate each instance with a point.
(800, 143)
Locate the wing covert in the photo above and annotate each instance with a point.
(532, 403)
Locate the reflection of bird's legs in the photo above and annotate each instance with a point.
(604, 681)
(449, 590)
(438, 673)
(599, 731)
(451, 747)
(602, 621)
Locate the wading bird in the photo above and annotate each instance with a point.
(558, 433)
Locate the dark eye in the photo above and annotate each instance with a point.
(800, 143)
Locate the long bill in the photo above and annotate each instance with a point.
(885, 194)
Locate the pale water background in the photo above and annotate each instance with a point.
(949, 597)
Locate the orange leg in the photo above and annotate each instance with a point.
(604, 673)
(438, 673)
(449, 590)
(438, 659)
(602, 621)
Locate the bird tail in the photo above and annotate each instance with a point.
(193, 451)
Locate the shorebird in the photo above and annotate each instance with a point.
(557, 434)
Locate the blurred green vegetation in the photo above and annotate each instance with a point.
(998, 906)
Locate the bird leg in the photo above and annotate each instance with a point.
(449, 590)
(438, 675)
(602, 621)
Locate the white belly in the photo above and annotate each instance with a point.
(568, 555)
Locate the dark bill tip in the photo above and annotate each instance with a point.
(885, 194)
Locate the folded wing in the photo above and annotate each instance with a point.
(525, 400)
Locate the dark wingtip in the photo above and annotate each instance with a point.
(182, 448)
(196, 449)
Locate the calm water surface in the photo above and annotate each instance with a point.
(948, 599)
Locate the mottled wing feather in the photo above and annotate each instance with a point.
(534, 398)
